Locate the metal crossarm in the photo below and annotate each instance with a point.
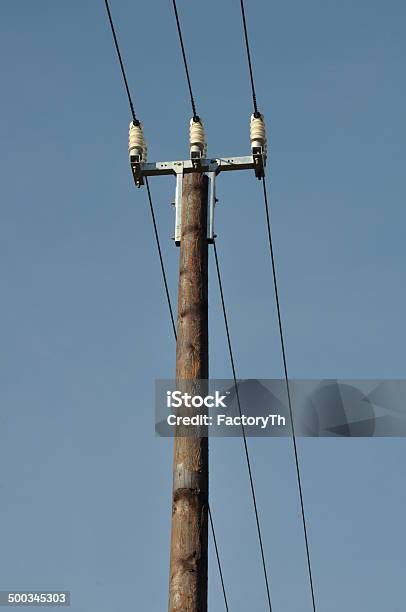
(211, 166)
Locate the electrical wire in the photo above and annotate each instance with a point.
(120, 59)
(299, 480)
(247, 46)
(285, 367)
(251, 479)
(151, 206)
(218, 558)
(160, 253)
(158, 244)
(182, 46)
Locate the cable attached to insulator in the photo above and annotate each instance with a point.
(258, 134)
(137, 146)
(197, 139)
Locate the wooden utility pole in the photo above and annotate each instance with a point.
(188, 561)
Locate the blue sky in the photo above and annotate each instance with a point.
(85, 485)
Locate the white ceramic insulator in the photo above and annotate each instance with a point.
(136, 141)
(197, 137)
(258, 132)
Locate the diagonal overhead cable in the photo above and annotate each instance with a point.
(247, 457)
(247, 47)
(120, 59)
(151, 206)
(285, 367)
(182, 46)
(275, 283)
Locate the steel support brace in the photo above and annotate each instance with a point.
(211, 166)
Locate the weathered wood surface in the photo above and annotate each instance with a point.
(188, 562)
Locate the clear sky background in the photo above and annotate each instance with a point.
(85, 486)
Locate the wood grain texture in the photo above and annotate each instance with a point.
(188, 562)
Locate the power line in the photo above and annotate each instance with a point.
(159, 245)
(192, 100)
(161, 258)
(230, 350)
(299, 480)
(151, 206)
(120, 59)
(218, 558)
(247, 46)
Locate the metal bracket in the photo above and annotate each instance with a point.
(259, 161)
(136, 167)
(211, 166)
(211, 206)
(178, 207)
